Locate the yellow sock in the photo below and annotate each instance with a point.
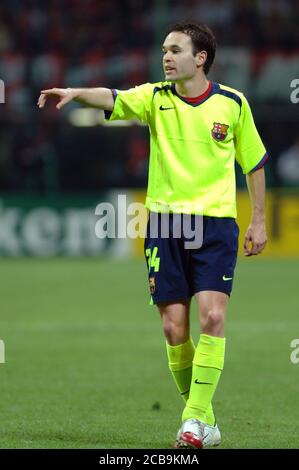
(207, 366)
(180, 359)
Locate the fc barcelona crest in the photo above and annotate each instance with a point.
(219, 131)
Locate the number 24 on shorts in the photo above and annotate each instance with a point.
(152, 258)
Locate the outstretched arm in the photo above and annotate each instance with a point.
(256, 237)
(93, 97)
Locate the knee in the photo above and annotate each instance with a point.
(213, 322)
(174, 333)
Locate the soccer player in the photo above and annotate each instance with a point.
(197, 130)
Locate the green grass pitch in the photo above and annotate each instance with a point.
(86, 364)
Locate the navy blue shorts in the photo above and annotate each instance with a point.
(176, 272)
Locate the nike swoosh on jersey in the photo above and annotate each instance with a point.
(226, 278)
(164, 109)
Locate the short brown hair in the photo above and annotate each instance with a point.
(202, 38)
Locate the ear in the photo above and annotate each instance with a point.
(201, 57)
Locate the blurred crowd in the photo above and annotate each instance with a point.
(116, 43)
(91, 42)
(76, 27)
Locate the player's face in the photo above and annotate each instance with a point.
(179, 63)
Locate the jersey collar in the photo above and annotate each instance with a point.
(212, 89)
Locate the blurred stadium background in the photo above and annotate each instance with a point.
(74, 308)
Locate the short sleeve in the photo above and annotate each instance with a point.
(250, 151)
(134, 103)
